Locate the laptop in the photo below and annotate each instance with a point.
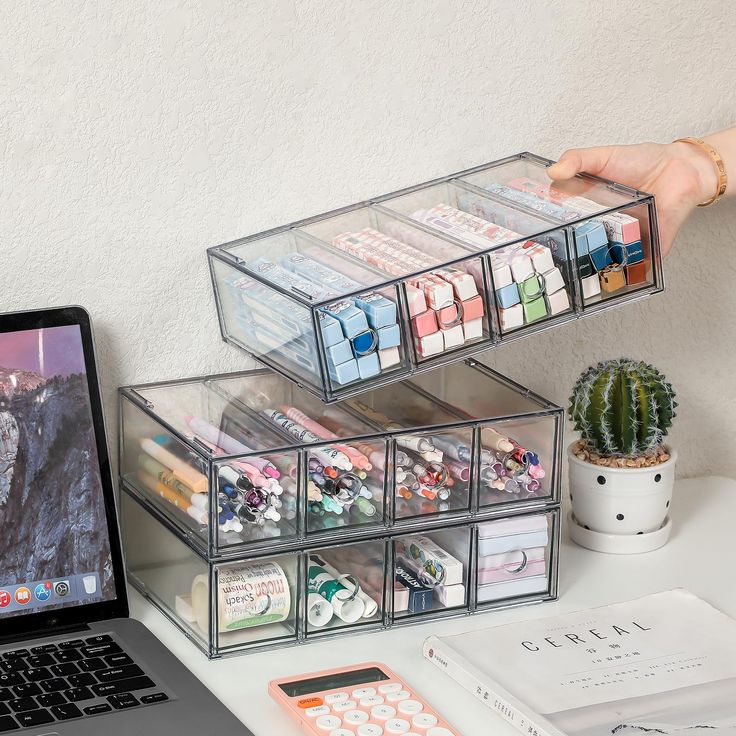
(71, 659)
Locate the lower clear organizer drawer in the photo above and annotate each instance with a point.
(317, 592)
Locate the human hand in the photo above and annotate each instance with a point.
(679, 175)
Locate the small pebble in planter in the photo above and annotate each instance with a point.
(621, 472)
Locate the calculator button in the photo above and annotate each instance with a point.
(439, 731)
(336, 697)
(345, 705)
(342, 732)
(355, 717)
(309, 702)
(372, 700)
(390, 687)
(398, 696)
(369, 729)
(410, 707)
(424, 720)
(318, 710)
(328, 723)
(383, 712)
(397, 725)
(363, 692)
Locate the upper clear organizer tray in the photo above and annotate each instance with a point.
(369, 294)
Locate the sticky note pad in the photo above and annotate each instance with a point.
(352, 319)
(601, 257)
(369, 365)
(389, 337)
(633, 253)
(508, 296)
(380, 311)
(535, 310)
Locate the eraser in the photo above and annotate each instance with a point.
(389, 358)
(430, 344)
(637, 274)
(352, 319)
(521, 267)
(534, 310)
(450, 595)
(380, 311)
(553, 281)
(501, 273)
(473, 309)
(473, 330)
(345, 372)
(558, 302)
(634, 253)
(369, 365)
(530, 289)
(420, 597)
(508, 296)
(612, 279)
(389, 337)
(425, 323)
(340, 353)
(331, 329)
(364, 343)
(591, 286)
(416, 300)
(454, 337)
(512, 317)
(601, 257)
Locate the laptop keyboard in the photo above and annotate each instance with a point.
(71, 679)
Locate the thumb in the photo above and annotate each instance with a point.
(575, 160)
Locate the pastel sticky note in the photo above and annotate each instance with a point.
(637, 274)
(389, 337)
(473, 309)
(352, 319)
(417, 303)
(553, 281)
(389, 358)
(369, 365)
(501, 274)
(473, 330)
(591, 286)
(633, 253)
(380, 311)
(430, 344)
(508, 296)
(530, 289)
(534, 310)
(424, 323)
(558, 302)
(512, 317)
(601, 257)
(331, 329)
(341, 352)
(453, 337)
(345, 372)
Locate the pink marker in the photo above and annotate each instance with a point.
(230, 445)
(250, 472)
(460, 470)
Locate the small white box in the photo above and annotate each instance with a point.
(591, 286)
(389, 358)
(432, 552)
(474, 329)
(450, 595)
(501, 274)
(558, 302)
(454, 337)
(512, 317)
(541, 259)
(521, 267)
(430, 344)
(553, 280)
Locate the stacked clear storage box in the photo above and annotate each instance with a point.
(351, 487)
(432, 497)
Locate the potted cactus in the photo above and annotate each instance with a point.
(621, 473)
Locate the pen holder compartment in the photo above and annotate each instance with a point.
(516, 558)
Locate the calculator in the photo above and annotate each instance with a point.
(363, 700)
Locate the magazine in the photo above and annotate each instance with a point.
(661, 664)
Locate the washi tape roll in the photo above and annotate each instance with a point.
(346, 603)
(252, 594)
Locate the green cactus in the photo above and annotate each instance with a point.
(622, 407)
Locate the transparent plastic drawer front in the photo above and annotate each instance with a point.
(517, 558)
(431, 573)
(351, 300)
(612, 229)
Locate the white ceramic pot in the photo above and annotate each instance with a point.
(621, 501)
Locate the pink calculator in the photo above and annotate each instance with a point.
(364, 700)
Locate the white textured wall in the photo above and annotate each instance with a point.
(135, 134)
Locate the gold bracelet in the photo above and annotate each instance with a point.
(717, 160)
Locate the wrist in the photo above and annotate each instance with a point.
(705, 175)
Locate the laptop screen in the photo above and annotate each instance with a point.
(54, 541)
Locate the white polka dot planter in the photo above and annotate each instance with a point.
(620, 510)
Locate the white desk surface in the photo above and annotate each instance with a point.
(700, 556)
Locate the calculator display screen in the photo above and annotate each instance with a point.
(331, 682)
